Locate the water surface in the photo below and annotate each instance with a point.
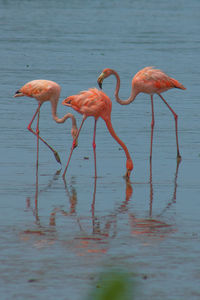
(57, 236)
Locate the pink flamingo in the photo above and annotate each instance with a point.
(97, 104)
(149, 81)
(42, 91)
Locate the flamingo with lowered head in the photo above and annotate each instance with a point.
(42, 91)
(95, 103)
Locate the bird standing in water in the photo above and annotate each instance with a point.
(95, 103)
(42, 91)
(149, 81)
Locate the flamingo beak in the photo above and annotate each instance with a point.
(18, 94)
(100, 80)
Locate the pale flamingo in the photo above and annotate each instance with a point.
(149, 81)
(95, 103)
(42, 91)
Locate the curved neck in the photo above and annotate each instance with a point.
(112, 132)
(54, 104)
(133, 91)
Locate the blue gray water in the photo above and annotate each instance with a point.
(57, 236)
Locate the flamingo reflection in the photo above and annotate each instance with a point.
(95, 232)
(72, 196)
(90, 234)
(41, 230)
(154, 226)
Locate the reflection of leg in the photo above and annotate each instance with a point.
(36, 195)
(173, 199)
(73, 146)
(93, 205)
(37, 192)
(94, 195)
(152, 127)
(175, 180)
(37, 133)
(151, 191)
(176, 125)
(39, 137)
(94, 148)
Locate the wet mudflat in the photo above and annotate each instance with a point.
(56, 235)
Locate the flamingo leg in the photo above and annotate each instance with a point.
(39, 137)
(74, 145)
(176, 125)
(37, 165)
(94, 148)
(152, 127)
(37, 132)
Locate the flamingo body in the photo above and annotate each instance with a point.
(41, 90)
(96, 103)
(90, 103)
(154, 81)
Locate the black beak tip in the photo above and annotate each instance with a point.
(100, 85)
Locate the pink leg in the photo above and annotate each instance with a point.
(94, 148)
(176, 125)
(73, 146)
(37, 165)
(37, 134)
(152, 127)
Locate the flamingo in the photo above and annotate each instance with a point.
(95, 103)
(149, 81)
(42, 91)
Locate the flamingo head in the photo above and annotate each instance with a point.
(129, 168)
(105, 73)
(74, 132)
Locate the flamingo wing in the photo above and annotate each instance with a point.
(90, 103)
(39, 89)
(156, 81)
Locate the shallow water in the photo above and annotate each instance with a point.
(57, 236)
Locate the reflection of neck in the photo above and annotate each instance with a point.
(129, 190)
(175, 179)
(133, 91)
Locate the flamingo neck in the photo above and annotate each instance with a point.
(133, 91)
(114, 135)
(54, 104)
